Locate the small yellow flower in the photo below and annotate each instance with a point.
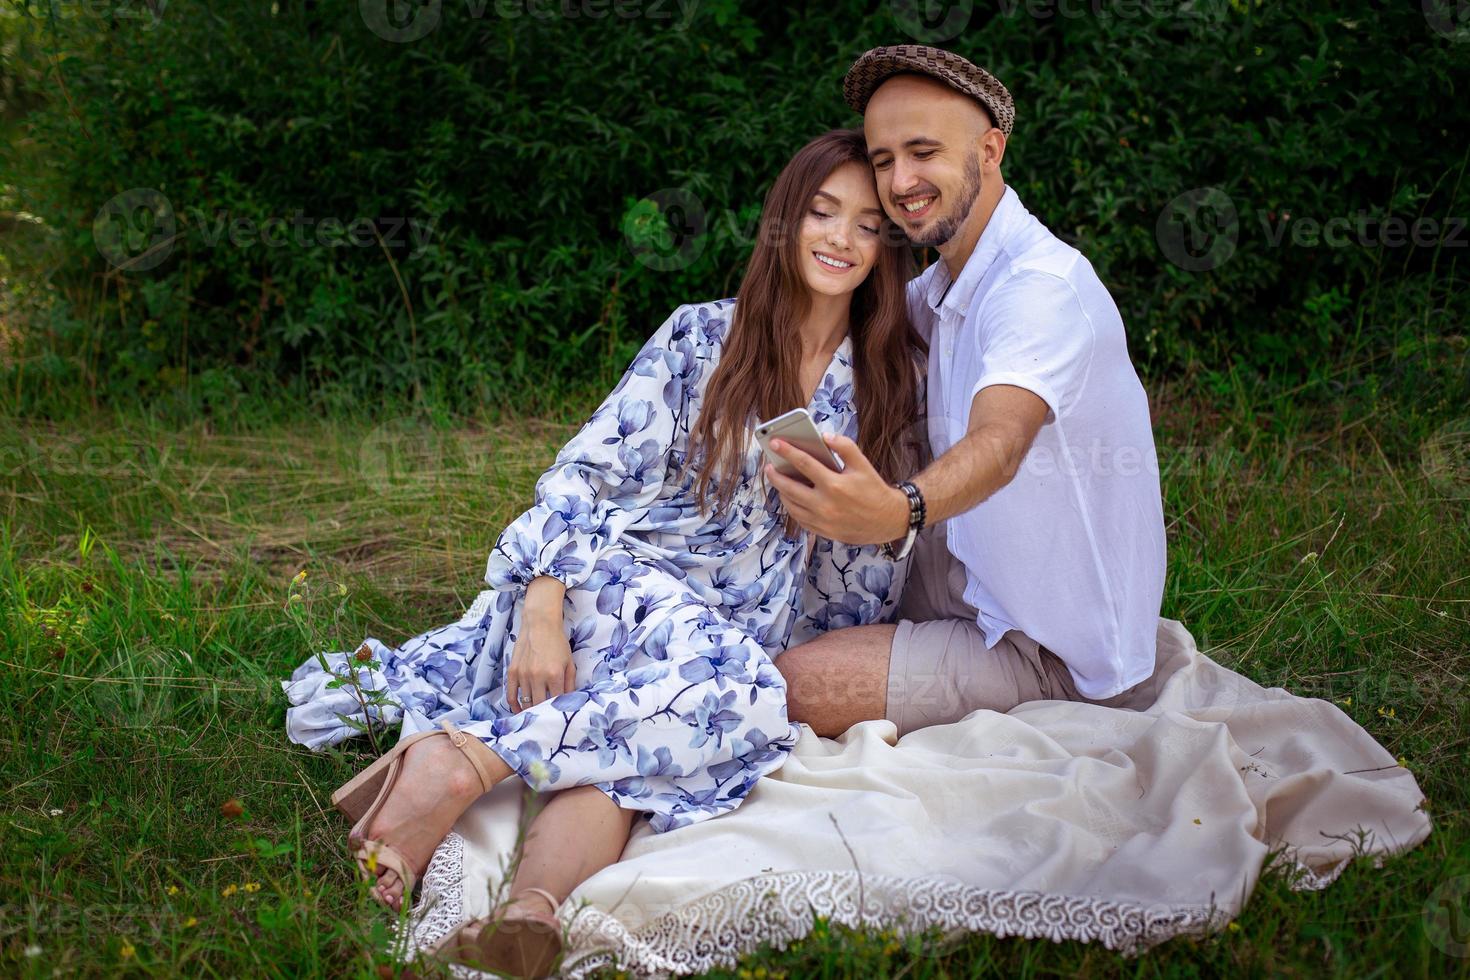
(1346, 702)
(300, 577)
(1385, 714)
(190, 922)
(228, 890)
(1234, 927)
(173, 889)
(1403, 762)
(1196, 820)
(127, 950)
(341, 588)
(252, 887)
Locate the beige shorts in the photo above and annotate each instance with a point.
(939, 669)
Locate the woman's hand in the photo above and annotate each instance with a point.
(541, 665)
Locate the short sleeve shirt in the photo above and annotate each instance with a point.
(1071, 551)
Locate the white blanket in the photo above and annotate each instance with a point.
(1056, 819)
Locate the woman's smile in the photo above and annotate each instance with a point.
(832, 263)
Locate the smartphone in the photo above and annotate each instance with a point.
(797, 428)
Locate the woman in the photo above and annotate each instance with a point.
(622, 658)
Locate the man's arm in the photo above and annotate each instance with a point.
(857, 506)
(1004, 421)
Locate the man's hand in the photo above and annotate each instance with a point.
(856, 506)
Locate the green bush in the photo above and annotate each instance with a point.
(525, 151)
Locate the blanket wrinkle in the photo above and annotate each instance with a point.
(1125, 826)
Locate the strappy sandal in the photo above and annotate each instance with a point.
(520, 944)
(361, 797)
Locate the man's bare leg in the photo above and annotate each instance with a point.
(838, 679)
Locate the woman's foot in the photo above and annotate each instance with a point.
(532, 905)
(436, 785)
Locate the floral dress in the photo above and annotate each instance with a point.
(674, 617)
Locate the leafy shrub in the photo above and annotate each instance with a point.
(524, 151)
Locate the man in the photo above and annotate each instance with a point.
(1038, 569)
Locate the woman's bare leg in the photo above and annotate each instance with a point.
(578, 832)
(437, 784)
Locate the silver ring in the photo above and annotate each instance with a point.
(522, 700)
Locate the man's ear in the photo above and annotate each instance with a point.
(994, 149)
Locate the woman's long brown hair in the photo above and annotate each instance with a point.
(758, 374)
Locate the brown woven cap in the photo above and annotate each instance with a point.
(876, 66)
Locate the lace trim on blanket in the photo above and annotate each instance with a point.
(777, 908)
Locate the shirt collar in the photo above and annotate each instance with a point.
(992, 241)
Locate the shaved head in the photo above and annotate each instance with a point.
(936, 159)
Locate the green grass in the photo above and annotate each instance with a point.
(144, 568)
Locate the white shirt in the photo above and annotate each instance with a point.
(1071, 551)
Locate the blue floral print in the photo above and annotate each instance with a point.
(674, 616)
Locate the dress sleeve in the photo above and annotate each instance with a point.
(609, 473)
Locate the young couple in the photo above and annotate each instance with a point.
(625, 658)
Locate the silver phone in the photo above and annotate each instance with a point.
(797, 428)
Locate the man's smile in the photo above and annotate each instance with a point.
(918, 207)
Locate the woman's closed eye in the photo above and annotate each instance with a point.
(824, 214)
